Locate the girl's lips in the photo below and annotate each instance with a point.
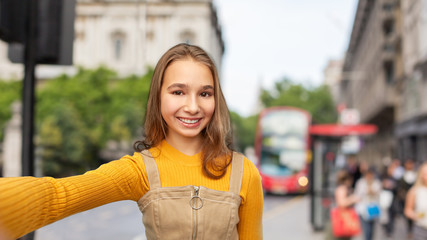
(187, 122)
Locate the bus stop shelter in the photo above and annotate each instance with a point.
(327, 143)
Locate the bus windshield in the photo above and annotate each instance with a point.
(284, 142)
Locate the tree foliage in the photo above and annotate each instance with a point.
(10, 91)
(317, 101)
(77, 115)
(244, 129)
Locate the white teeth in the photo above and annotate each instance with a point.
(188, 120)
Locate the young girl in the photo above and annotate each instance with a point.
(416, 204)
(187, 181)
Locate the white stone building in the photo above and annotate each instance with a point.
(129, 35)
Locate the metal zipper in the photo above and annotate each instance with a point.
(195, 206)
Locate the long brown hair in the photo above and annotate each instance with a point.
(217, 136)
(419, 181)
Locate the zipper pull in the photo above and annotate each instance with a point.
(194, 203)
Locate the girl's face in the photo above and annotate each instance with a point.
(187, 98)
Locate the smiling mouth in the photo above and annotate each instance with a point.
(189, 121)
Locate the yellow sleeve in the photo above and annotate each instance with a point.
(28, 203)
(250, 211)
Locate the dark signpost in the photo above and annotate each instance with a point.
(38, 32)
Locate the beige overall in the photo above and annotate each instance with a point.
(190, 212)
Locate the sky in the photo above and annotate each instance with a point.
(268, 40)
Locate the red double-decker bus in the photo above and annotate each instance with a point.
(282, 147)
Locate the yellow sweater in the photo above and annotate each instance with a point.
(28, 203)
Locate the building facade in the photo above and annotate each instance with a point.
(385, 76)
(130, 35)
(332, 78)
(373, 72)
(411, 127)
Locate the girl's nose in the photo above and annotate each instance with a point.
(192, 105)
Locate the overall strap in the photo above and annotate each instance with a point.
(236, 173)
(151, 169)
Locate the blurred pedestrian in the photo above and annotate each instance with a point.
(343, 196)
(353, 168)
(398, 169)
(368, 188)
(187, 181)
(403, 186)
(389, 186)
(416, 204)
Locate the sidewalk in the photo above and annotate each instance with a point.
(292, 221)
(399, 231)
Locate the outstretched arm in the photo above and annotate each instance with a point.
(28, 203)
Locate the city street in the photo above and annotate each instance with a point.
(283, 216)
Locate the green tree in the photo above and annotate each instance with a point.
(77, 115)
(63, 139)
(317, 101)
(10, 91)
(244, 129)
(128, 103)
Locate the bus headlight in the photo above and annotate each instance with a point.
(303, 181)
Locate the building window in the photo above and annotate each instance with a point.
(150, 36)
(344, 85)
(118, 39)
(388, 27)
(79, 36)
(388, 7)
(187, 36)
(389, 71)
(388, 47)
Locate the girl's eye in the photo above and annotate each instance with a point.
(206, 94)
(177, 92)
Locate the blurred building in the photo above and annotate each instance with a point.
(129, 35)
(411, 128)
(332, 78)
(385, 75)
(373, 72)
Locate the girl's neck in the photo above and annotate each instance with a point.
(188, 146)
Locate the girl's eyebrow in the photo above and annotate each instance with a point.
(177, 85)
(207, 87)
(182, 85)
